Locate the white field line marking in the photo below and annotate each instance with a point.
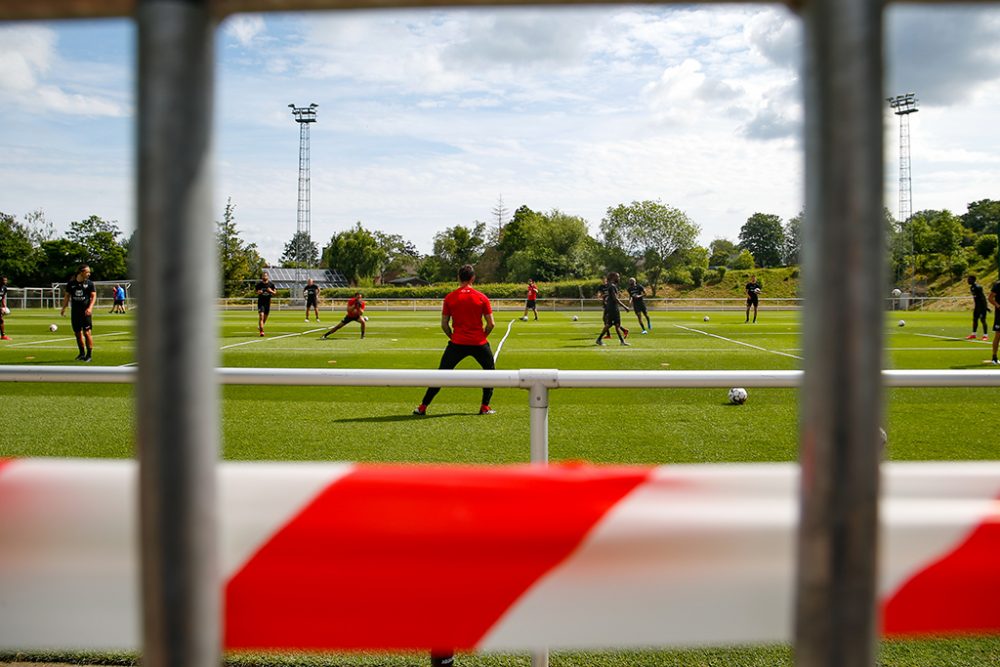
(263, 339)
(962, 339)
(737, 342)
(496, 355)
(64, 340)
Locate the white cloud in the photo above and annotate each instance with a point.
(245, 28)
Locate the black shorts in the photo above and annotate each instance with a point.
(979, 311)
(639, 306)
(80, 322)
(752, 300)
(350, 318)
(455, 353)
(996, 320)
(310, 301)
(530, 304)
(264, 306)
(612, 318)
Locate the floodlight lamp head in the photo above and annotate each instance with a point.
(291, 106)
(313, 105)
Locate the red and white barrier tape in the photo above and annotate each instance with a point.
(343, 556)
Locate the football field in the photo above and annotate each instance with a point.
(650, 426)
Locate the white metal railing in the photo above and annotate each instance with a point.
(537, 381)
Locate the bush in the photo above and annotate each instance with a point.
(721, 273)
(697, 274)
(986, 245)
(743, 261)
(958, 267)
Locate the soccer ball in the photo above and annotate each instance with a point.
(897, 292)
(575, 318)
(524, 319)
(902, 323)
(364, 318)
(756, 290)
(737, 395)
(6, 310)
(53, 328)
(705, 319)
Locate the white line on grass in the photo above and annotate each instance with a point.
(952, 338)
(737, 342)
(263, 339)
(496, 355)
(63, 339)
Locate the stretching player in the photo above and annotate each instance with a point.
(753, 296)
(612, 316)
(636, 299)
(602, 294)
(979, 308)
(355, 313)
(994, 295)
(265, 290)
(311, 290)
(462, 316)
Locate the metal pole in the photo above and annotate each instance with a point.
(178, 407)
(538, 404)
(835, 618)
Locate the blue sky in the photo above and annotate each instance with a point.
(427, 117)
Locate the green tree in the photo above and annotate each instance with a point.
(721, 252)
(557, 247)
(982, 216)
(356, 253)
(401, 256)
(763, 236)
(105, 252)
(744, 260)
(649, 232)
(240, 261)
(18, 260)
(456, 246)
(515, 237)
(792, 251)
(58, 260)
(936, 232)
(301, 252)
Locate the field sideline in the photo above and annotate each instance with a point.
(599, 425)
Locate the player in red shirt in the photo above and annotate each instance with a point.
(355, 313)
(530, 303)
(462, 317)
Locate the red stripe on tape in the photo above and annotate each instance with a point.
(958, 594)
(413, 557)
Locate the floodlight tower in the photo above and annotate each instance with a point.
(903, 106)
(304, 116)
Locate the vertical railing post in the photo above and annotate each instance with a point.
(835, 617)
(178, 408)
(537, 382)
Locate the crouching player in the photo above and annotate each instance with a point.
(355, 313)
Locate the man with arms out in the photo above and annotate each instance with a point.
(265, 290)
(530, 303)
(81, 295)
(311, 290)
(636, 299)
(612, 316)
(994, 295)
(462, 316)
(3, 307)
(355, 313)
(979, 308)
(753, 296)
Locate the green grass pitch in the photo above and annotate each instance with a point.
(599, 425)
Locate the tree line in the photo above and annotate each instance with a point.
(648, 239)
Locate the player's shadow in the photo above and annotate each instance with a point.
(981, 365)
(384, 419)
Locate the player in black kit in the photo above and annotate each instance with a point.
(311, 290)
(979, 308)
(265, 290)
(636, 299)
(612, 316)
(81, 295)
(753, 294)
(3, 307)
(994, 295)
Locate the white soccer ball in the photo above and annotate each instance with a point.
(705, 319)
(897, 292)
(6, 310)
(53, 328)
(524, 318)
(901, 323)
(756, 290)
(364, 317)
(737, 395)
(575, 318)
